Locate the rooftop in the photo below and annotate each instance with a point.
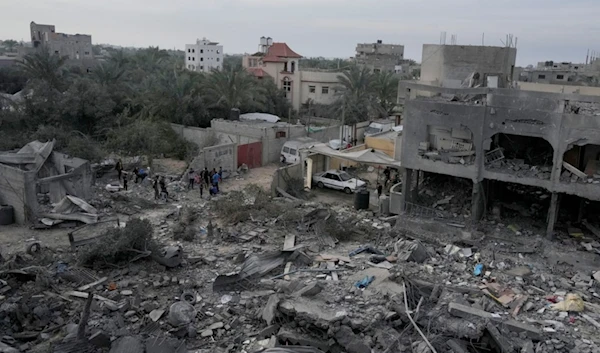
(281, 50)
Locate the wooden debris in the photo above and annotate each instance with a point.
(93, 284)
(286, 271)
(331, 266)
(84, 295)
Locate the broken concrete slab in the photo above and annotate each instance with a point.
(165, 345)
(310, 309)
(127, 344)
(350, 341)
(530, 331)
(309, 290)
(502, 343)
(100, 339)
(156, 314)
(520, 271)
(294, 338)
(467, 312)
(268, 313)
(267, 331)
(408, 250)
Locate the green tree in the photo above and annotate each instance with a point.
(356, 96)
(119, 58)
(232, 62)
(10, 44)
(235, 88)
(323, 63)
(11, 80)
(385, 87)
(107, 74)
(275, 101)
(87, 105)
(45, 67)
(176, 97)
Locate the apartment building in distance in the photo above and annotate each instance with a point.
(204, 56)
(278, 62)
(381, 57)
(77, 47)
(560, 73)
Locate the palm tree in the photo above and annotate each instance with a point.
(234, 88)
(275, 101)
(119, 58)
(10, 44)
(355, 94)
(385, 87)
(107, 73)
(45, 67)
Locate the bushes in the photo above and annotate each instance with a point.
(150, 138)
(119, 245)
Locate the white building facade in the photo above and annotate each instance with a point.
(204, 56)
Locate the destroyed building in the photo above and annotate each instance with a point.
(503, 140)
(449, 65)
(36, 174)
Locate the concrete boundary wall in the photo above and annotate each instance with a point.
(281, 174)
(224, 155)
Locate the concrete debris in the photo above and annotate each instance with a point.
(268, 313)
(350, 341)
(181, 313)
(407, 250)
(127, 344)
(304, 299)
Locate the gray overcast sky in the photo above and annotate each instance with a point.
(546, 29)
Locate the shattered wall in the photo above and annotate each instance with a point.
(17, 189)
(503, 111)
(283, 174)
(216, 156)
(449, 65)
(79, 184)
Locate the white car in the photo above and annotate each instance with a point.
(339, 180)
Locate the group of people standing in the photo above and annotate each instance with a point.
(140, 174)
(205, 178)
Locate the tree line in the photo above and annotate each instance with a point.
(125, 103)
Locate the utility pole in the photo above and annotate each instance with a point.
(309, 116)
(342, 127)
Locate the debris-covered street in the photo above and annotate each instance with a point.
(246, 272)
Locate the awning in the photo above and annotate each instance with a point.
(368, 156)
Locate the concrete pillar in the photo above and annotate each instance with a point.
(552, 215)
(478, 201)
(406, 188)
(415, 189)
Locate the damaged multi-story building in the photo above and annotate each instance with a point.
(526, 153)
(546, 145)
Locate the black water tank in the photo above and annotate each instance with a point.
(234, 114)
(361, 200)
(7, 215)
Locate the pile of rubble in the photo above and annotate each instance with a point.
(286, 276)
(518, 168)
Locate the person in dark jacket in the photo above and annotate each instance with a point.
(191, 178)
(119, 168)
(206, 176)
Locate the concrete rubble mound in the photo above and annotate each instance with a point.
(257, 273)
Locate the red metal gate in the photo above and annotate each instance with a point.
(251, 154)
